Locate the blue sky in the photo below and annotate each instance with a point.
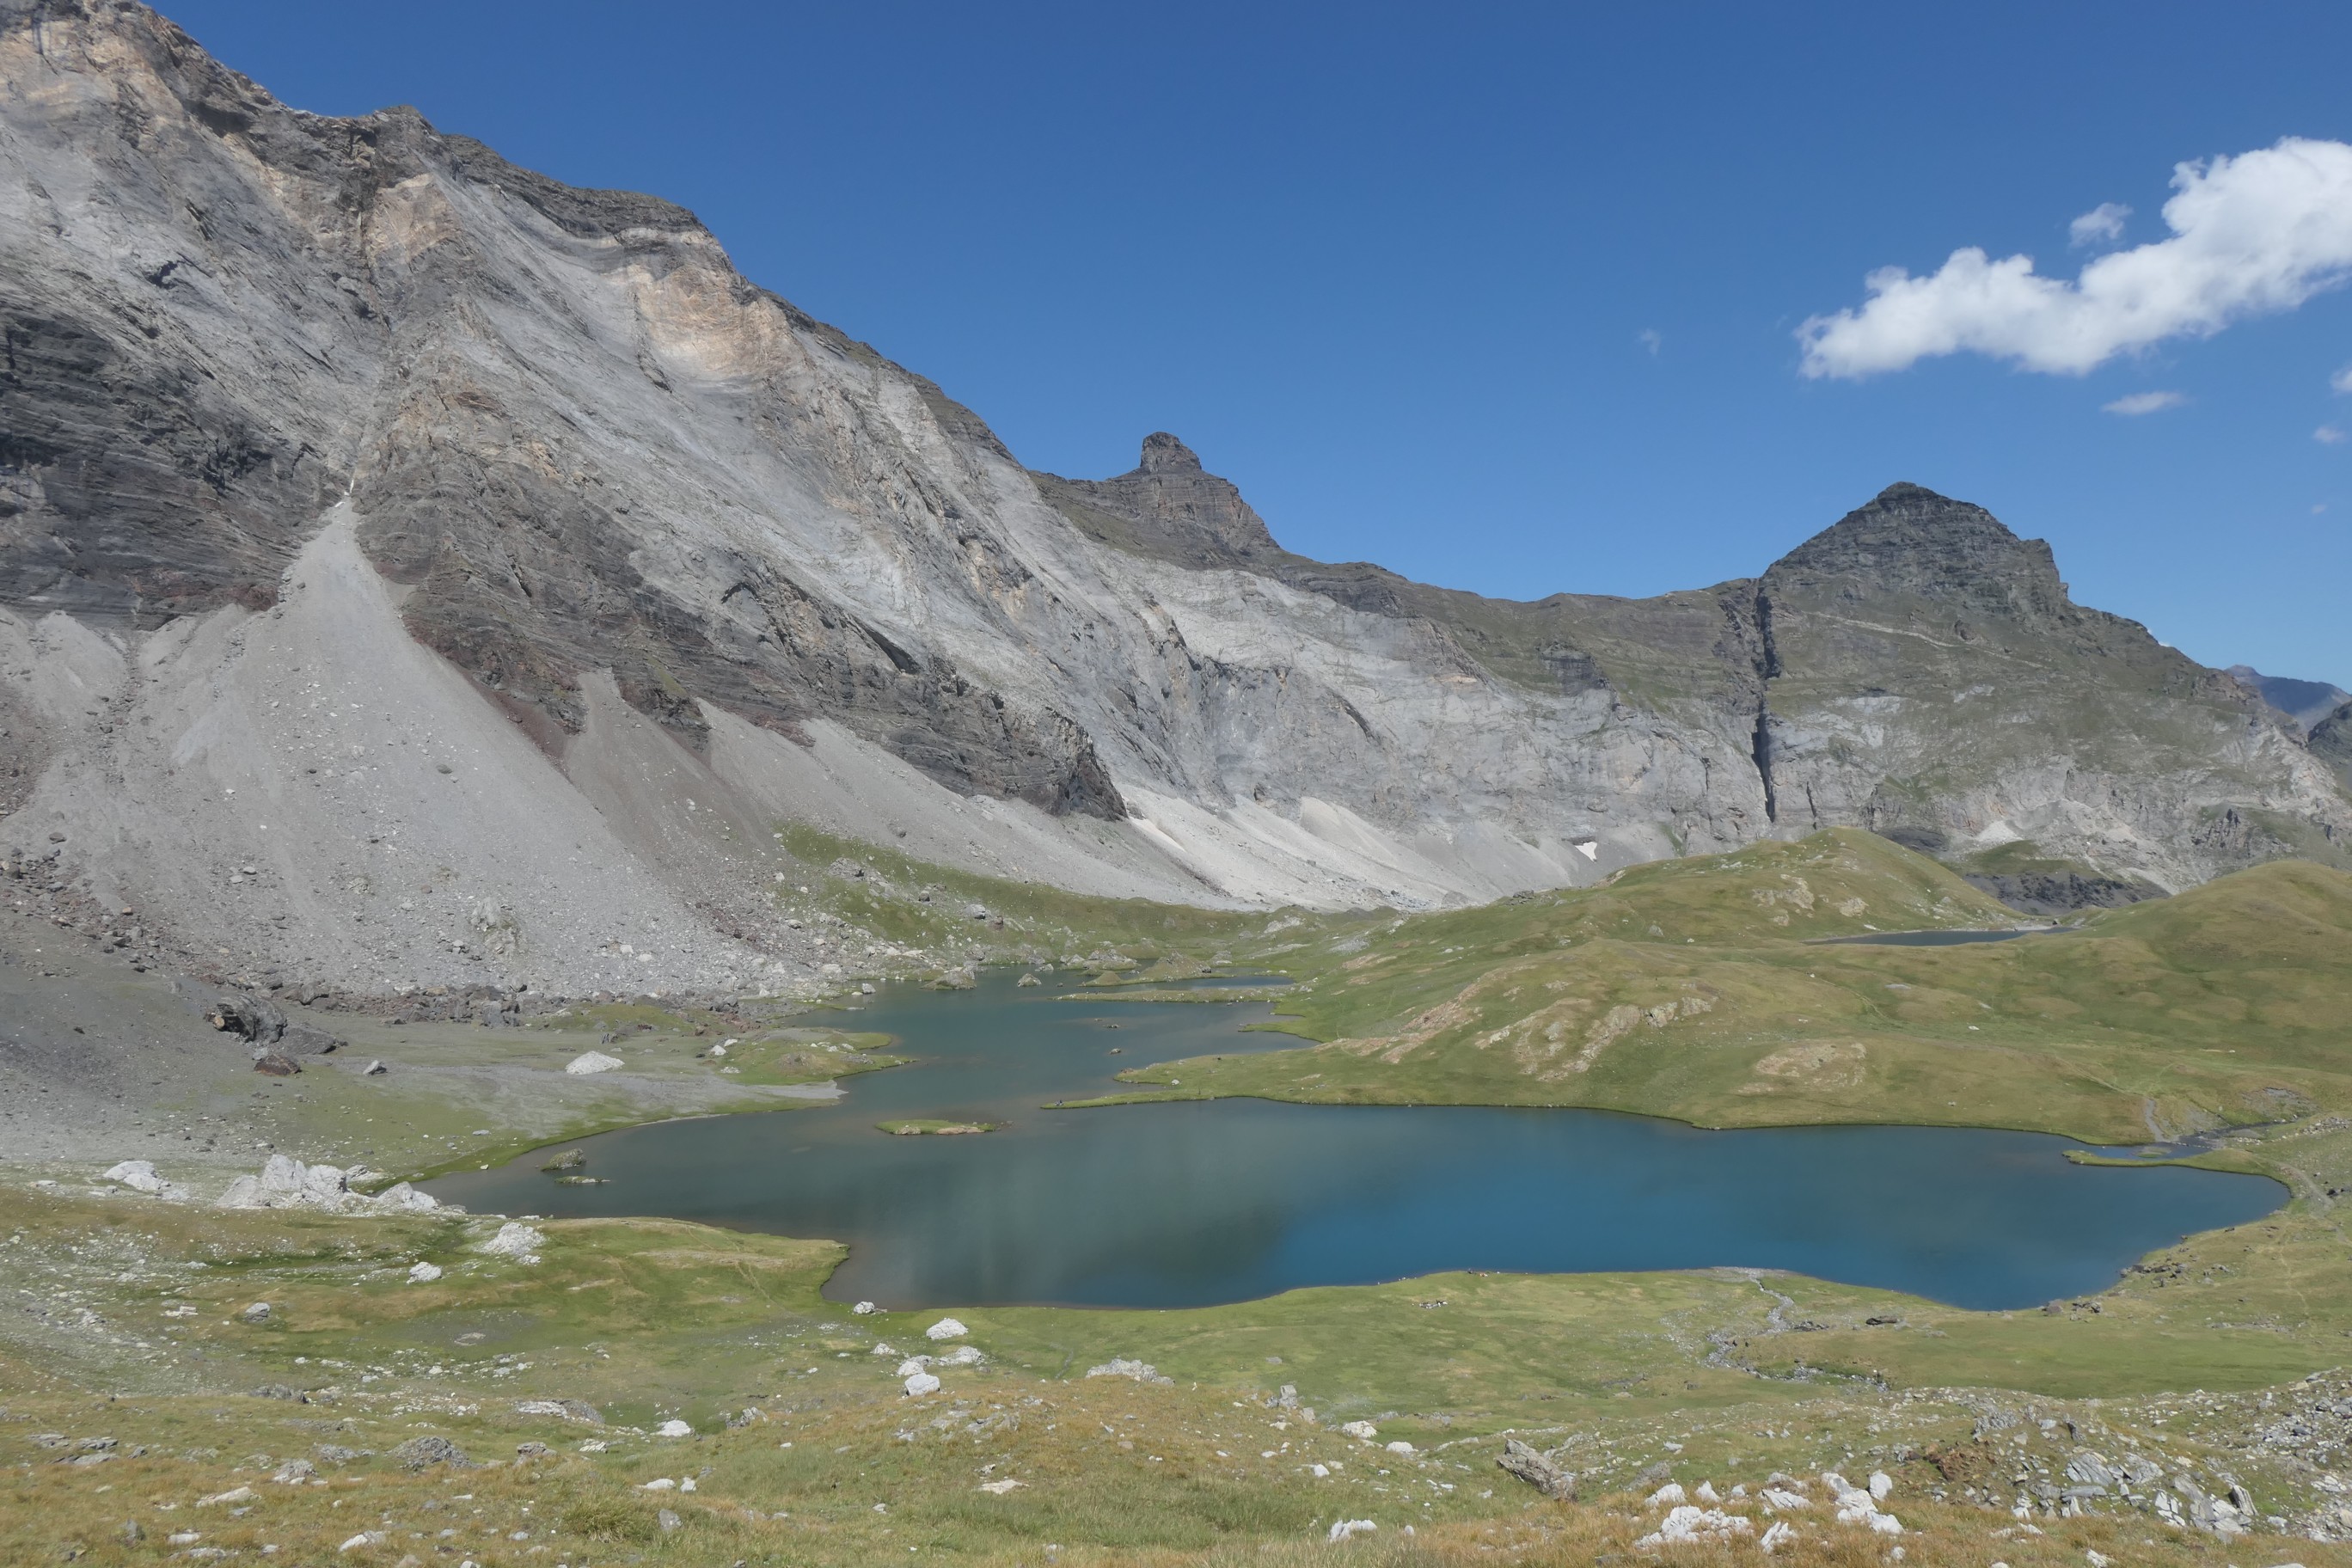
(1509, 300)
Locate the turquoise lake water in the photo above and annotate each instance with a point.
(1190, 1203)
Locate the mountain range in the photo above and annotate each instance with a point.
(415, 570)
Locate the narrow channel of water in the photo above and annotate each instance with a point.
(1193, 1204)
(1938, 937)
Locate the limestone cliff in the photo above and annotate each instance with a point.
(682, 563)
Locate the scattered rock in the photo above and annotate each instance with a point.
(294, 1472)
(530, 1451)
(253, 1018)
(667, 1520)
(570, 1159)
(1689, 1522)
(375, 1069)
(423, 1273)
(515, 1240)
(1520, 1460)
(423, 1453)
(288, 1183)
(139, 1175)
(1363, 1430)
(302, 1040)
(568, 1409)
(234, 1495)
(258, 1312)
(1347, 1530)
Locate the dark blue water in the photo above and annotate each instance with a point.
(1934, 938)
(1187, 1204)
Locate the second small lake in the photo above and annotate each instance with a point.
(1193, 1204)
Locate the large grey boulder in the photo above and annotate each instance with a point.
(1531, 1467)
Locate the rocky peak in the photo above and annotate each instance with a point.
(1908, 540)
(1168, 506)
(1164, 454)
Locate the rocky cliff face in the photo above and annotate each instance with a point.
(288, 403)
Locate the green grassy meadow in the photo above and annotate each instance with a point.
(1697, 989)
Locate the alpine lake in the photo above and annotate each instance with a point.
(1193, 1203)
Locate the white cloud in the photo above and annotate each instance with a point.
(2341, 380)
(2146, 402)
(2251, 234)
(2328, 435)
(2101, 224)
(1649, 339)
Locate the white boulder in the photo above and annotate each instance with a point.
(1363, 1430)
(515, 1240)
(245, 1192)
(922, 1383)
(913, 1364)
(423, 1273)
(1881, 1483)
(588, 1062)
(962, 1356)
(1689, 1522)
(1348, 1529)
(1668, 1496)
(865, 1308)
(139, 1175)
(1123, 1366)
(674, 1427)
(402, 1198)
(946, 1329)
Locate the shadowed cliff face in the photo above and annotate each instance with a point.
(2331, 742)
(590, 458)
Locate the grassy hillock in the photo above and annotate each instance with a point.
(1698, 990)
